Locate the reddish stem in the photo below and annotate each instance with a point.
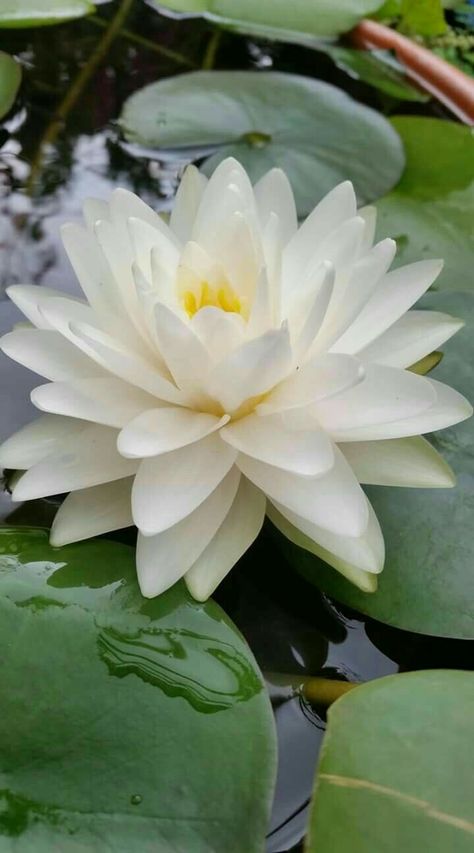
(441, 79)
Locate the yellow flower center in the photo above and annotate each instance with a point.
(204, 294)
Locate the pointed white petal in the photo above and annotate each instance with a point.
(30, 299)
(333, 500)
(306, 452)
(369, 215)
(396, 293)
(91, 512)
(273, 194)
(261, 313)
(83, 459)
(385, 395)
(92, 271)
(309, 314)
(93, 210)
(186, 357)
(163, 430)
(251, 370)
(219, 331)
(36, 440)
(167, 488)
(331, 212)
(398, 462)
(239, 529)
(186, 203)
(47, 353)
(229, 190)
(359, 559)
(412, 337)
(146, 239)
(125, 205)
(164, 558)
(108, 400)
(324, 376)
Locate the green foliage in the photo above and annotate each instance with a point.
(395, 771)
(38, 13)
(378, 68)
(427, 585)
(321, 136)
(127, 724)
(10, 79)
(422, 17)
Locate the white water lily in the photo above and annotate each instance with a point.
(224, 366)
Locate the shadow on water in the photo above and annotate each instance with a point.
(290, 626)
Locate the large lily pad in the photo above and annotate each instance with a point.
(431, 211)
(427, 585)
(395, 771)
(39, 13)
(280, 18)
(312, 130)
(10, 79)
(126, 724)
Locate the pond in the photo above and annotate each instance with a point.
(48, 166)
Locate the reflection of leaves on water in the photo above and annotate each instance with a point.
(209, 674)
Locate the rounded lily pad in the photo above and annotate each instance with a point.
(427, 585)
(312, 130)
(10, 79)
(127, 724)
(395, 771)
(38, 13)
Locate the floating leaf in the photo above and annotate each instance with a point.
(10, 79)
(127, 724)
(312, 130)
(395, 771)
(427, 585)
(378, 68)
(431, 211)
(280, 18)
(39, 13)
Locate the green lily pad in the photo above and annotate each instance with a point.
(431, 211)
(10, 79)
(395, 771)
(312, 130)
(127, 724)
(279, 18)
(427, 585)
(39, 13)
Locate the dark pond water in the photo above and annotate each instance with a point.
(46, 170)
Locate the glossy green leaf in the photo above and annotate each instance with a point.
(39, 13)
(395, 771)
(312, 130)
(427, 585)
(281, 18)
(378, 68)
(127, 724)
(424, 18)
(431, 211)
(10, 79)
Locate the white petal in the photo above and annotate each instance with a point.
(273, 194)
(108, 400)
(146, 239)
(369, 215)
(233, 244)
(91, 512)
(187, 201)
(125, 205)
(94, 209)
(36, 440)
(359, 559)
(167, 488)
(186, 357)
(228, 190)
(335, 208)
(261, 312)
(239, 529)
(46, 352)
(93, 273)
(396, 293)
(163, 430)
(385, 395)
(322, 377)
(83, 459)
(219, 331)
(251, 370)
(334, 500)
(309, 314)
(306, 452)
(163, 559)
(398, 462)
(412, 337)
(30, 299)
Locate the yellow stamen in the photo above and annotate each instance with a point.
(205, 294)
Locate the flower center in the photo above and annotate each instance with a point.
(204, 294)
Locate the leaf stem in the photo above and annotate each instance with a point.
(75, 91)
(147, 43)
(209, 59)
(315, 689)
